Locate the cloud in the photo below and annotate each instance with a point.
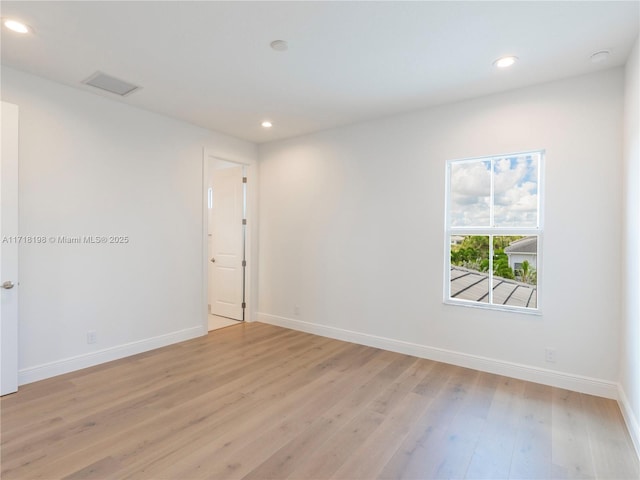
(471, 179)
(506, 177)
(470, 193)
(470, 214)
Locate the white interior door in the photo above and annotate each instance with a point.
(227, 243)
(9, 250)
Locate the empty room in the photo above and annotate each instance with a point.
(320, 240)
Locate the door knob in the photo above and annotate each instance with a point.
(213, 260)
(8, 285)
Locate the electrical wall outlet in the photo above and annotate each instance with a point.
(92, 337)
(296, 310)
(550, 355)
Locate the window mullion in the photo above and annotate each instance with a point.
(491, 196)
(492, 226)
(490, 270)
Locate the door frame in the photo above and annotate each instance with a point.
(250, 244)
(9, 192)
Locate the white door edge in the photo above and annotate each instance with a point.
(9, 250)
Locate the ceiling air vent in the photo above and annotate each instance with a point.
(111, 84)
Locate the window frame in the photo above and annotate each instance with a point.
(491, 232)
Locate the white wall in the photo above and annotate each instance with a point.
(351, 231)
(92, 166)
(630, 339)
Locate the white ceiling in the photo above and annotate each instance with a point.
(210, 63)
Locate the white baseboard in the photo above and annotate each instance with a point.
(577, 383)
(630, 419)
(71, 364)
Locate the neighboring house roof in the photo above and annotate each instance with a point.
(524, 245)
(469, 284)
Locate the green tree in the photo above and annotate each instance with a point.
(525, 271)
(501, 266)
(528, 274)
(472, 253)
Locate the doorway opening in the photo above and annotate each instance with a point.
(226, 239)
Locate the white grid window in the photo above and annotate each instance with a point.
(493, 231)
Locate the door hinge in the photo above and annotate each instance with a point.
(244, 221)
(244, 179)
(244, 305)
(244, 263)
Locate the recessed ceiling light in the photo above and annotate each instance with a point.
(16, 26)
(504, 62)
(267, 124)
(280, 45)
(600, 56)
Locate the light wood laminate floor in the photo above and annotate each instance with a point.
(256, 401)
(216, 322)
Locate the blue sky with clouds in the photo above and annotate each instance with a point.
(515, 184)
